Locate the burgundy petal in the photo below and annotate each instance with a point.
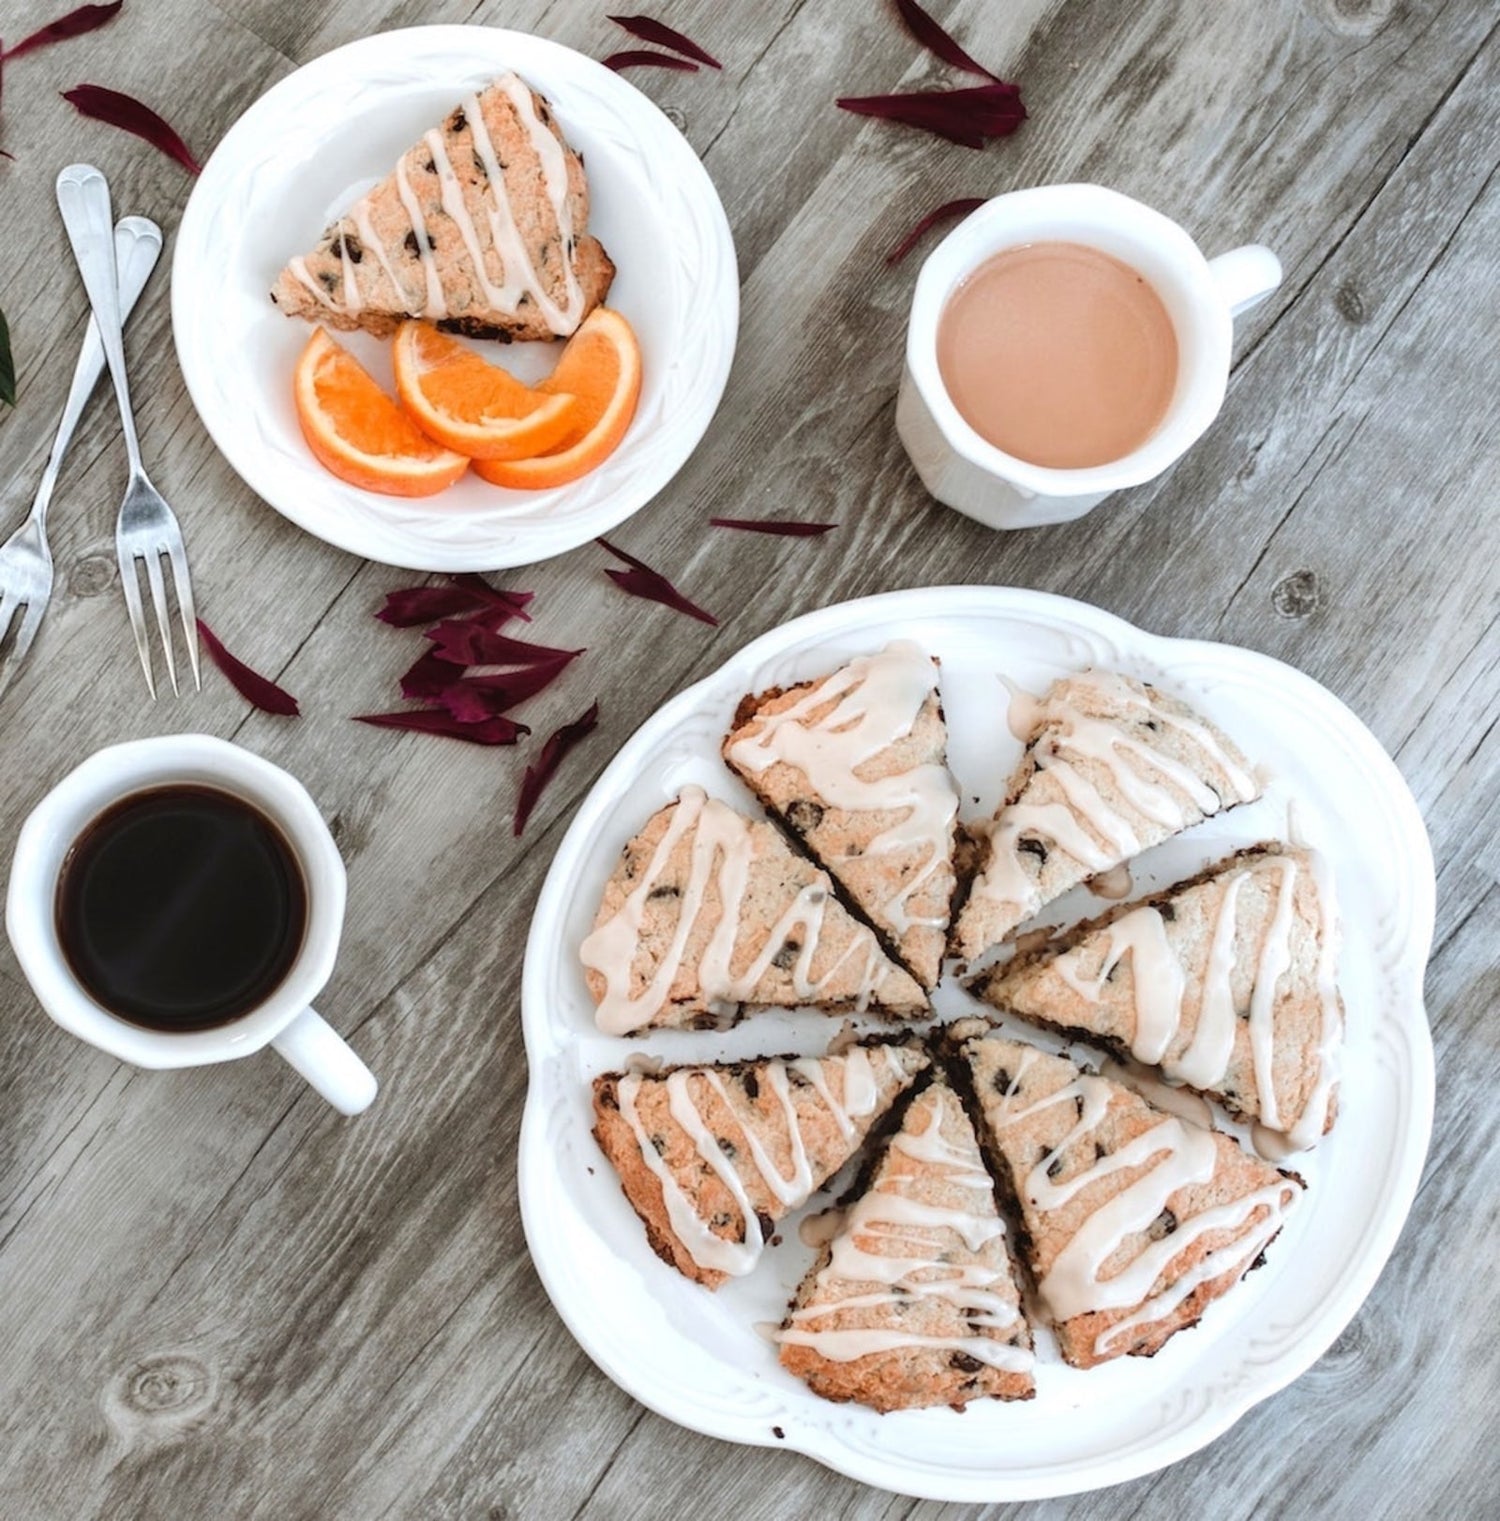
(641, 581)
(493, 731)
(642, 58)
(474, 697)
(469, 642)
(87, 18)
(665, 36)
(130, 115)
(959, 208)
(259, 691)
(469, 593)
(556, 747)
(936, 40)
(430, 677)
(786, 527)
(966, 116)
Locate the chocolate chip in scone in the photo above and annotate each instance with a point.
(666, 891)
(1100, 1151)
(348, 245)
(728, 1147)
(786, 957)
(1164, 1224)
(410, 244)
(1054, 1168)
(326, 279)
(964, 1363)
(608, 1099)
(767, 1225)
(659, 1145)
(1168, 911)
(457, 121)
(1032, 847)
(804, 815)
(751, 1085)
(1002, 1080)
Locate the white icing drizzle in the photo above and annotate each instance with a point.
(1159, 984)
(705, 1246)
(721, 853)
(518, 277)
(895, 1242)
(877, 700)
(1086, 826)
(1176, 1155)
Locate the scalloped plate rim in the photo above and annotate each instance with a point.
(875, 613)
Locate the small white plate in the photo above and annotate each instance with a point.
(303, 153)
(697, 1358)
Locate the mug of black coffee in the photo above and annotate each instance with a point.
(179, 901)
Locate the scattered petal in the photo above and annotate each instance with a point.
(130, 115)
(556, 747)
(967, 116)
(665, 36)
(469, 642)
(493, 731)
(474, 697)
(466, 594)
(643, 58)
(786, 527)
(430, 677)
(949, 209)
(259, 691)
(87, 18)
(7, 364)
(641, 581)
(936, 40)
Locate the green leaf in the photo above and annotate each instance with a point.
(7, 366)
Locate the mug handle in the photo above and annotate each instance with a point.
(326, 1060)
(1246, 275)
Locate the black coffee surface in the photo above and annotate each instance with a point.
(181, 908)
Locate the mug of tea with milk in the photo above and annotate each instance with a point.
(1064, 342)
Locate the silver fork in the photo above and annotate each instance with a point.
(147, 527)
(25, 558)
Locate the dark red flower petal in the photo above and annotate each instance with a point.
(259, 691)
(554, 749)
(786, 527)
(87, 18)
(130, 115)
(473, 697)
(642, 58)
(411, 605)
(949, 209)
(430, 677)
(665, 36)
(966, 116)
(936, 40)
(641, 581)
(469, 642)
(493, 731)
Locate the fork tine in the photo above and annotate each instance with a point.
(163, 620)
(132, 590)
(183, 586)
(8, 606)
(30, 623)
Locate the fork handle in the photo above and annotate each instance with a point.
(137, 247)
(83, 199)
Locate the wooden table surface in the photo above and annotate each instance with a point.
(217, 1298)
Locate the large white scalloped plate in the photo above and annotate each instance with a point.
(696, 1357)
(324, 134)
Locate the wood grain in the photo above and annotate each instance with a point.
(217, 1298)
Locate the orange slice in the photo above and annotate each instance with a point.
(476, 408)
(601, 367)
(356, 431)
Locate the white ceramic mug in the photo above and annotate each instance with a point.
(285, 1020)
(1201, 296)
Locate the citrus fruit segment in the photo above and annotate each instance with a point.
(601, 369)
(463, 403)
(359, 434)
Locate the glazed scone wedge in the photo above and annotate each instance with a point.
(1131, 1221)
(708, 910)
(481, 228)
(712, 1157)
(1112, 766)
(1226, 982)
(855, 767)
(914, 1303)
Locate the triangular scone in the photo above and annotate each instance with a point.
(481, 228)
(914, 1302)
(1112, 766)
(1226, 982)
(1133, 1221)
(708, 909)
(855, 766)
(712, 1157)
